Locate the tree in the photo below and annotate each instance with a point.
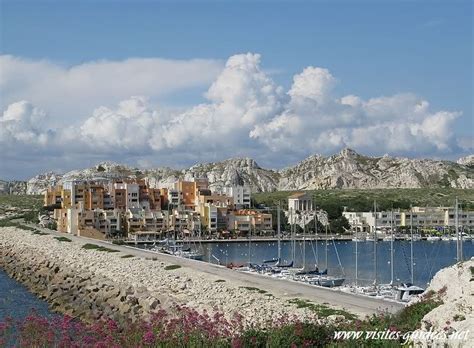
(284, 224)
(340, 225)
(310, 226)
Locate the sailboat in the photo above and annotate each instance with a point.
(322, 278)
(406, 291)
(278, 262)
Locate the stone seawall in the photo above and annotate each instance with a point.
(79, 294)
(90, 284)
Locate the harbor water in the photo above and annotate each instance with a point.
(429, 257)
(16, 301)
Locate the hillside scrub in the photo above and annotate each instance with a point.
(333, 201)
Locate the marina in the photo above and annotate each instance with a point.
(429, 257)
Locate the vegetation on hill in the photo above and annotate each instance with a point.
(334, 201)
(24, 207)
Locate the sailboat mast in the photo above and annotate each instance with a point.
(461, 228)
(316, 237)
(326, 248)
(357, 259)
(278, 231)
(456, 226)
(391, 248)
(292, 225)
(411, 245)
(294, 240)
(304, 241)
(250, 240)
(375, 243)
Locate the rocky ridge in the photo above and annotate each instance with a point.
(13, 187)
(347, 169)
(466, 161)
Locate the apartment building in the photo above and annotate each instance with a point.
(53, 196)
(219, 200)
(245, 220)
(241, 195)
(105, 209)
(209, 217)
(180, 220)
(418, 217)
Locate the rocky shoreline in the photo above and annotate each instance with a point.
(91, 284)
(454, 287)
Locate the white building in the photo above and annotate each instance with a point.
(419, 217)
(240, 194)
(300, 201)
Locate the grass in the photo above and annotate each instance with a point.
(39, 233)
(320, 309)
(26, 228)
(363, 199)
(127, 256)
(7, 223)
(172, 267)
(63, 239)
(96, 247)
(251, 288)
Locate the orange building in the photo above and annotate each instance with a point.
(52, 196)
(187, 191)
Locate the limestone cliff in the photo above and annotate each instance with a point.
(346, 169)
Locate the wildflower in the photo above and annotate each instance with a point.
(149, 338)
(392, 328)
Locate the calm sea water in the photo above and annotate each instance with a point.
(17, 302)
(429, 257)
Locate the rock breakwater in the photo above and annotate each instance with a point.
(90, 284)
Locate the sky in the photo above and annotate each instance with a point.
(154, 83)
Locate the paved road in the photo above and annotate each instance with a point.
(361, 305)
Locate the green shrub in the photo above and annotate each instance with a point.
(321, 310)
(63, 239)
(39, 233)
(251, 288)
(171, 267)
(26, 228)
(8, 223)
(90, 246)
(127, 256)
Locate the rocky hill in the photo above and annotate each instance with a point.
(12, 187)
(467, 161)
(347, 169)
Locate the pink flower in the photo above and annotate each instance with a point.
(149, 338)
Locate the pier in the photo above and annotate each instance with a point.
(285, 289)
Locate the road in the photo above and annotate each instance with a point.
(357, 304)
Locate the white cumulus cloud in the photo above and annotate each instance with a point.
(71, 92)
(245, 113)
